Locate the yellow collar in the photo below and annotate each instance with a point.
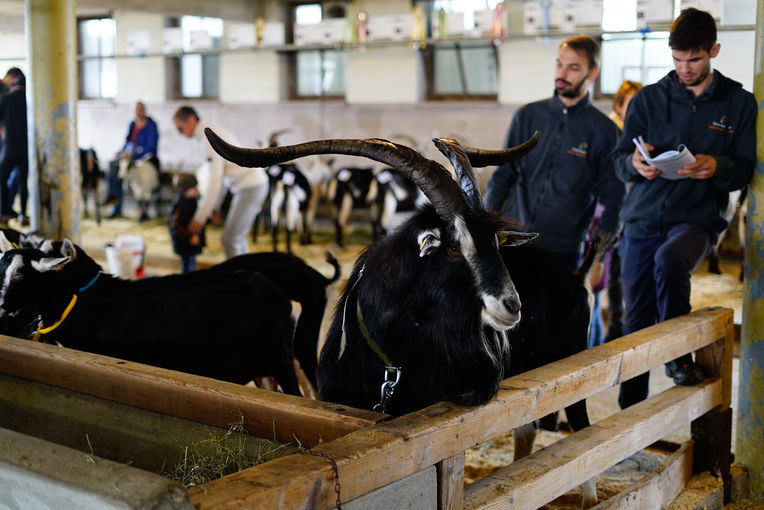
(41, 330)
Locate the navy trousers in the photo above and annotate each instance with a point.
(655, 274)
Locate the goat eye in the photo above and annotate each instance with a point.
(454, 249)
(17, 276)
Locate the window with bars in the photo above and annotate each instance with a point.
(315, 73)
(97, 67)
(196, 73)
(460, 69)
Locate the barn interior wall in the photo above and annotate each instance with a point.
(384, 90)
(139, 78)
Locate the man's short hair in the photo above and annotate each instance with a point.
(693, 29)
(184, 113)
(18, 75)
(584, 44)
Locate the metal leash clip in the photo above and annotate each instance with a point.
(388, 387)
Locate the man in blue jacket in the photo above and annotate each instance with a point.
(140, 143)
(671, 225)
(554, 189)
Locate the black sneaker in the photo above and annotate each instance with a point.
(683, 373)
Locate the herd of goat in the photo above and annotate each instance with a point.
(441, 308)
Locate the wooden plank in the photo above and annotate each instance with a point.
(266, 414)
(451, 483)
(712, 434)
(716, 360)
(659, 488)
(372, 458)
(39, 474)
(542, 476)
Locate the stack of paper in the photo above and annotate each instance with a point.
(668, 162)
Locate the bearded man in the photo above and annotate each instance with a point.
(671, 225)
(554, 189)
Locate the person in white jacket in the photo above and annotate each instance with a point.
(249, 186)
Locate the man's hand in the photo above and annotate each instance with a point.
(645, 170)
(703, 168)
(195, 227)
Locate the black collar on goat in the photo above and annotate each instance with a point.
(435, 296)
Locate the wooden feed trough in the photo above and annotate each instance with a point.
(355, 453)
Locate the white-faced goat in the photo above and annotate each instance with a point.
(430, 312)
(379, 189)
(289, 194)
(235, 327)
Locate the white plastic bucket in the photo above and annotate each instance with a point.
(126, 257)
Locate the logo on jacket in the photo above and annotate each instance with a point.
(722, 125)
(581, 151)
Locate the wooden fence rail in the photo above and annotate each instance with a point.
(375, 456)
(363, 451)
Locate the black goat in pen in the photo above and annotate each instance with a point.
(430, 312)
(234, 327)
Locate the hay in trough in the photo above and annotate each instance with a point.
(222, 454)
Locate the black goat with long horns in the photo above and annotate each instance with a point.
(431, 312)
(433, 299)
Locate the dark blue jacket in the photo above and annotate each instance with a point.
(554, 189)
(147, 140)
(13, 116)
(720, 122)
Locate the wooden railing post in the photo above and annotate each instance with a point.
(451, 483)
(712, 432)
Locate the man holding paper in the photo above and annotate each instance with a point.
(671, 221)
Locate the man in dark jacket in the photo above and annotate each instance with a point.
(13, 120)
(555, 188)
(671, 225)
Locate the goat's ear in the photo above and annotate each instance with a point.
(68, 249)
(428, 241)
(5, 244)
(512, 238)
(31, 240)
(50, 263)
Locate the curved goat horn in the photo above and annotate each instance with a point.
(430, 176)
(486, 157)
(464, 158)
(465, 174)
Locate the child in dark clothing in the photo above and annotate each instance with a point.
(184, 243)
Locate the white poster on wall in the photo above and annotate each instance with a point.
(273, 34)
(651, 12)
(715, 7)
(172, 40)
(483, 20)
(454, 24)
(138, 42)
(308, 34)
(241, 35)
(390, 27)
(541, 17)
(581, 13)
(199, 40)
(332, 30)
